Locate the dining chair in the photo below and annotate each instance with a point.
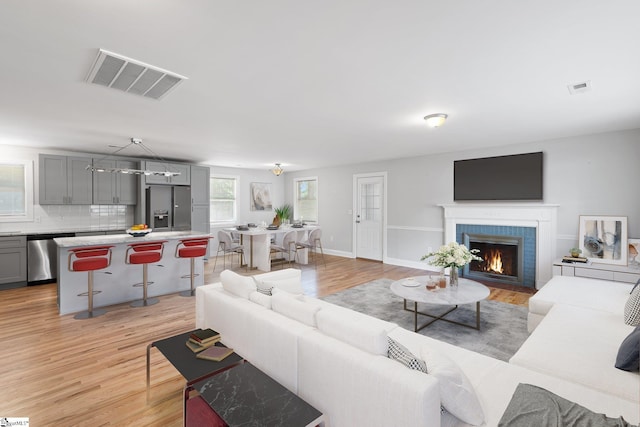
(227, 246)
(312, 243)
(288, 246)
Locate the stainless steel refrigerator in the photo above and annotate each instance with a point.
(168, 207)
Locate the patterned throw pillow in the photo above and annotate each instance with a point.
(632, 307)
(263, 288)
(400, 353)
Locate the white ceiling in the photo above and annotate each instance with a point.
(313, 83)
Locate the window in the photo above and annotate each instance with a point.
(16, 191)
(305, 198)
(223, 199)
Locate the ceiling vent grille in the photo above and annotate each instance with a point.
(579, 87)
(126, 74)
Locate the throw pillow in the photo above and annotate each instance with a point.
(632, 307)
(628, 358)
(263, 287)
(456, 392)
(402, 354)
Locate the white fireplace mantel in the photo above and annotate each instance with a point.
(541, 216)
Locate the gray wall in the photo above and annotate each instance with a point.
(585, 175)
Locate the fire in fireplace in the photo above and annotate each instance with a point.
(502, 258)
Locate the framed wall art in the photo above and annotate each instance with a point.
(261, 196)
(603, 239)
(634, 252)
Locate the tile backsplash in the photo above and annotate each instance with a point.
(74, 218)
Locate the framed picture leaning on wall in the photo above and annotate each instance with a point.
(634, 253)
(603, 239)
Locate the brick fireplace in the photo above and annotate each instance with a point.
(525, 232)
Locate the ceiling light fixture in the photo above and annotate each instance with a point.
(277, 171)
(137, 142)
(436, 120)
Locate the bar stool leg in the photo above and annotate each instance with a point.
(192, 276)
(144, 301)
(90, 313)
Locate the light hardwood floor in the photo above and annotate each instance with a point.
(65, 372)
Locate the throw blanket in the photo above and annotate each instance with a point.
(535, 406)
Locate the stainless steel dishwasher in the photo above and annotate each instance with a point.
(42, 257)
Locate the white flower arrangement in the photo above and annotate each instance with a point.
(452, 255)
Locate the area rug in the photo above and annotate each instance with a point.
(503, 327)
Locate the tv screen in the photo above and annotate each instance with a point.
(515, 177)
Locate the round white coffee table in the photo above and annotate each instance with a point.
(414, 289)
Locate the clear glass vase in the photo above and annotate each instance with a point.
(453, 277)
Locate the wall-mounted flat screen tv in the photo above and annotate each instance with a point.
(514, 177)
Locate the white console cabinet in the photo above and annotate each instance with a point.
(615, 273)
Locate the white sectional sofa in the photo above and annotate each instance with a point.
(335, 359)
(577, 327)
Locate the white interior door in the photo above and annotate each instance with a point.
(369, 217)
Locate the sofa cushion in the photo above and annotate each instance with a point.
(582, 292)
(356, 388)
(494, 382)
(632, 307)
(293, 308)
(401, 354)
(628, 358)
(580, 345)
(260, 298)
(236, 284)
(364, 332)
(456, 392)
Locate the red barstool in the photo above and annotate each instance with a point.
(144, 253)
(89, 259)
(192, 248)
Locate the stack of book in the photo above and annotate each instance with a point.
(215, 353)
(201, 339)
(571, 259)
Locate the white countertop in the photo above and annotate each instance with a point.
(113, 239)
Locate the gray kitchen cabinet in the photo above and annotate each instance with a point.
(114, 188)
(65, 180)
(200, 182)
(200, 219)
(200, 204)
(13, 260)
(183, 179)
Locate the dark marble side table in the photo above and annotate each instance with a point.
(185, 361)
(246, 396)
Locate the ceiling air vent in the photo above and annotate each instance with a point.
(126, 74)
(579, 87)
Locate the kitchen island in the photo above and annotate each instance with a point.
(116, 281)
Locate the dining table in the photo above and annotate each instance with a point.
(256, 243)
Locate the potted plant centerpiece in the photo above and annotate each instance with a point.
(575, 252)
(454, 256)
(282, 213)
